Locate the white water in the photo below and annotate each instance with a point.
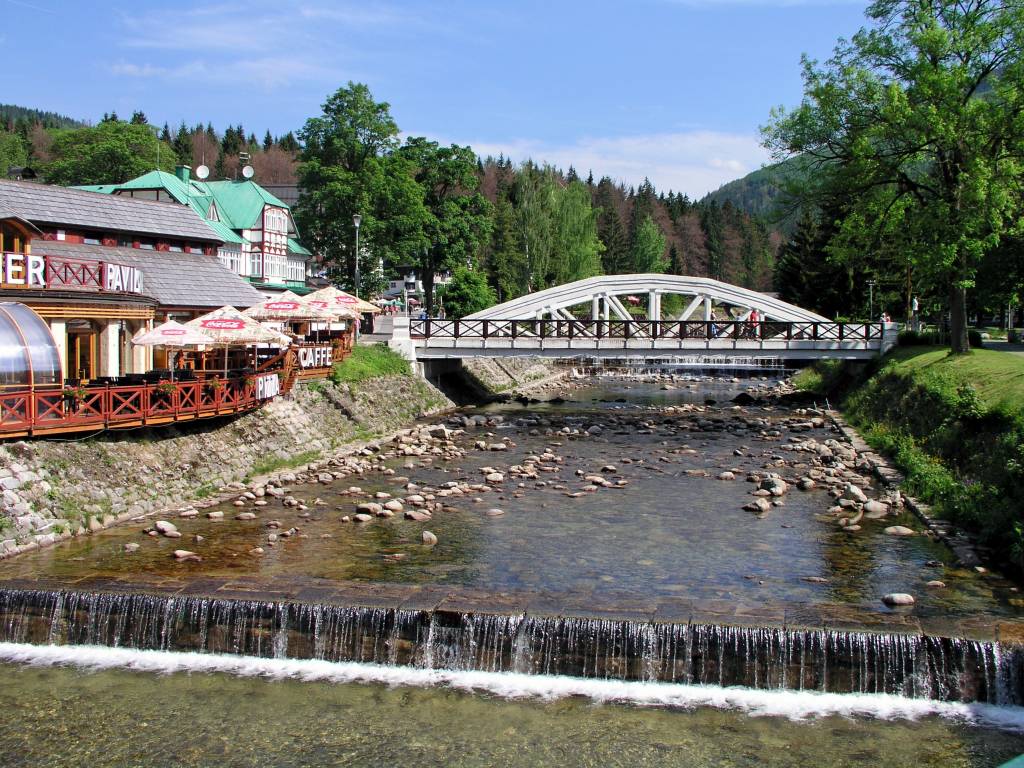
(795, 705)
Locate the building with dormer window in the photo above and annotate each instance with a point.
(260, 237)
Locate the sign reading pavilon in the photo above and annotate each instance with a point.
(57, 272)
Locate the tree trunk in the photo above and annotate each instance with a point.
(958, 320)
(427, 275)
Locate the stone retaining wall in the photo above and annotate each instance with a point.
(53, 489)
(497, 375)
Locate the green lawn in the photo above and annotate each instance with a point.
(997, 377)
(369, 362)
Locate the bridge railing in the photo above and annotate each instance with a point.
(680, 330)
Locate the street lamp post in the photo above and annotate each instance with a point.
(871, 297)
(357, 220)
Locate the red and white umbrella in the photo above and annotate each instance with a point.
(172, 334)
(289, 307)
(333, 299)
(228, 326)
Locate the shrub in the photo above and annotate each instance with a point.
(974, 339)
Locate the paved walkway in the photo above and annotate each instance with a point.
(1004, 346)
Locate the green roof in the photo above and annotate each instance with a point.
(242, 202)
(239, 203)
(294, 246)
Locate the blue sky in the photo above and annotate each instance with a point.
(674, 90)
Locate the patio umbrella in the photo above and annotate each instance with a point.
(172, 334)
(331, 298)
(289, 307)
(229, 327)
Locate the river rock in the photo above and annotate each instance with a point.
(937, 584)
(875, 510)
(726, 475)
(429, 538)
(218, 515)
(184, 555)
(163, 526)
(495, 512)
(415, 514)
(131, 546)
(805, 484)
(899, 530)
(394, 505)
(245, 516)
(495, 477)
(362, 517)
(368, 508)
(758, 505)
(853, 493)
(898, 598)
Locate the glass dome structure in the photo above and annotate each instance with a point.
(28, 354)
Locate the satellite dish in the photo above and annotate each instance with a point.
(202, 172)
(248, 172)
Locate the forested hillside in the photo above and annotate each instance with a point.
(525, 227)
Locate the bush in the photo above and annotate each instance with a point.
(1013, 335)
(910, 338)
(974, 339)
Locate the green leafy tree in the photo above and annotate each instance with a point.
(649, 247)
(577, 248)
(917, 122)
(109, 153)
(457, 220)
(349, 165)
(468, 292)
(533, 196)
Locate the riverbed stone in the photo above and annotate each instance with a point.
(429, 538)
(900, 530)
(898, 599)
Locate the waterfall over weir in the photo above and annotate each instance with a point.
(910, 665)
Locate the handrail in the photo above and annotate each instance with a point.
(106, 406)
(681, 330)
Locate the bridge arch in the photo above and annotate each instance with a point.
(603, 295)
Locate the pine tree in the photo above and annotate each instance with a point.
(183, 144)
(615, 258)
(268, 141)
(165, 134)
(138, 118)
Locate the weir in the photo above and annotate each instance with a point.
(786, 657)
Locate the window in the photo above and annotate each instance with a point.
(231, 259)
(296, 271)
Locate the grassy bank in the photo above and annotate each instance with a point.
(953, 424)
(369, 362)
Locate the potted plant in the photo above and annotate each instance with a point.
(216, 384)
(73, 396)
(166, 387)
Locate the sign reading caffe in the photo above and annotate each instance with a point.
(315, 357)
(58, 272)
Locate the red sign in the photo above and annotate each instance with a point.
(318, 304)
(223, 324)
(285, 305)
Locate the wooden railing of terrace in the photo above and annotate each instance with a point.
(52, 411)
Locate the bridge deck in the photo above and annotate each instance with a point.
(435, 339)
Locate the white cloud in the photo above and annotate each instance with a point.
(694, 162)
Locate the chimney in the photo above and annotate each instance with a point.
(183, 172)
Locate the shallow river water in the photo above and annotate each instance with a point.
(669, 532)
(281, 714)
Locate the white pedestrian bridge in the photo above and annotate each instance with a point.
(617, 316)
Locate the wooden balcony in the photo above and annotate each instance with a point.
(93, 408)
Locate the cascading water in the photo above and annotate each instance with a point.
(913, 666)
